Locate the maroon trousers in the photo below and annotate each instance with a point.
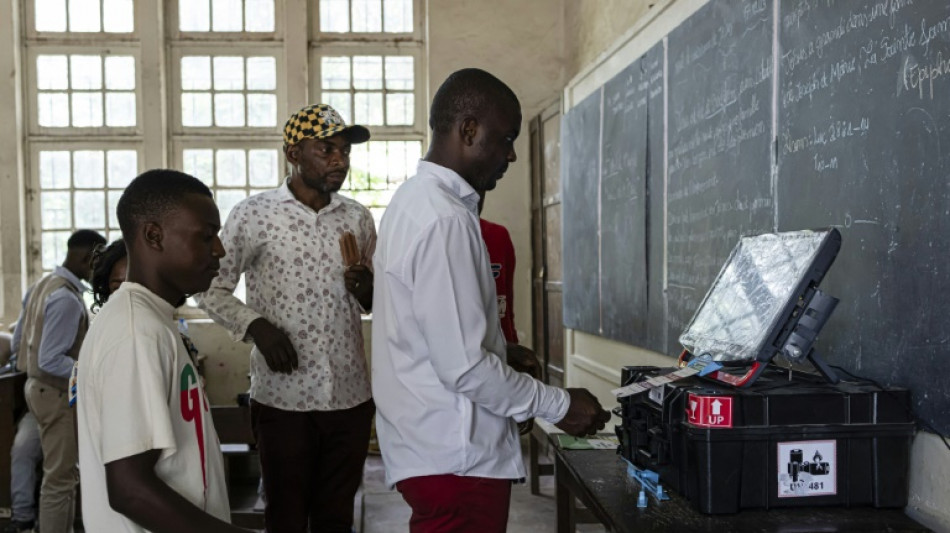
(457, 504)
(312, 464)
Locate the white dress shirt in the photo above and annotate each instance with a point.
(290, 256)
(446, 400)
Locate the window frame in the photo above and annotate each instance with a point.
(33, 205)
(34, 50)
(175, 34)
(212, 49)
(32, 34)
(417, 35)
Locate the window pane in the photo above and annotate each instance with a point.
(53, 109)
(54, 248)
(367, 72)
(120, 110)
(120, 73)
(227, 199)
(261, 73)
(88, 169)
(200, 164)
(397, 16)
(196, 73)
(369, 109)
(55, 211)
(359, 167)
(335, 73)
(226, 15)
(399, 109)
(340, 102)
(54, 170)
(84, 15)
(396, 162)
(113, 203)
(259, 15)
(230, 168)
(335, 16)
(377, 165)
(54, 15)
(263, 168)
(123, 166)
(85, 72)
(87, 110)
(399, 73)
(229, 110)
(117, 16)
(196, 109)
(194, 15)
(90, 209)
(228, 73)
(261, 110)
(52, 73)
(367, 16)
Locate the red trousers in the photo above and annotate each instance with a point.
(457, 504)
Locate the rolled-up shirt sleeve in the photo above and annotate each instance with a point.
(448, 304)
(61, 317)
(219, 300)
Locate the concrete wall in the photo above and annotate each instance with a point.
(594, 362)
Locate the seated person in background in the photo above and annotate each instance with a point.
(148, 450)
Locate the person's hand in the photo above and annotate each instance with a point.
(274, 345)
(523, 359)
(359, 281)
(585, 416)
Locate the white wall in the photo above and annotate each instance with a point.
(594, 362)
(520, 43)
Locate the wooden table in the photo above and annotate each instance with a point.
(598, 478)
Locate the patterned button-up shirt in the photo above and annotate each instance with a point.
(290, 256)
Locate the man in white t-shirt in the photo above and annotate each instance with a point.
(148, 451)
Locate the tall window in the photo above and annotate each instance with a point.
(112, 87)
(368, 63)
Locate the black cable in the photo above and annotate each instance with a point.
(917, 419)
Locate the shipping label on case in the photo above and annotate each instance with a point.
(807, 468)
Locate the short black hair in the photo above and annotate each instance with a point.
(103, 261)
(84, 239)
(151, 195)
(471, 92)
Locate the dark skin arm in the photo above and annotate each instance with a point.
(585, 416)
(136, 492)
(275, 346)
(359, 281)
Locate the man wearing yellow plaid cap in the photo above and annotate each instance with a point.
(310, 393)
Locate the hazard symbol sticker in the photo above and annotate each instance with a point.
(807, 468)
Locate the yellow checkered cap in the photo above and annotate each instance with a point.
(319, 121)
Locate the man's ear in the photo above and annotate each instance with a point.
(292, 152)
(468, 130)
(153, 235)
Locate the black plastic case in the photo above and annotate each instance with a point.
(790, 442)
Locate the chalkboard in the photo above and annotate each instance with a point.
(864, 145)
(848, 126)
(720, 165)
(580, 142)
(632, 125)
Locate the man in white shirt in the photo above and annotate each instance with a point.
(447, 401)
(148, 451)
(310, 395)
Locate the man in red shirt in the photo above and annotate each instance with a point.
(501, 252)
